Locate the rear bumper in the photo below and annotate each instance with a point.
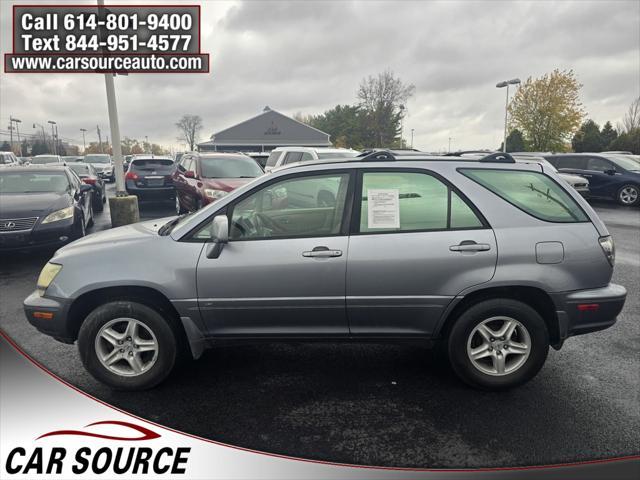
(57, 326)
(150, 192)
(585, 311)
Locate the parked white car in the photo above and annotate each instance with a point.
(287, 155)
(8, 159)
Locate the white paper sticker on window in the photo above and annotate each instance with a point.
(384, 208)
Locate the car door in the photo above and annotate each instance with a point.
(604, 181)
(283, 271)
(416, 243)
(83, 198)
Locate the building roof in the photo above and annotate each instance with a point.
(270, 128)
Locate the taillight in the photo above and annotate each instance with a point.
(608, 248)
(89, 180)
(131, 176)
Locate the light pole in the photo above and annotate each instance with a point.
(53, 137)
(146, 140)
(412, 139)
(401, 107)
(506, 83)
(450, 138)
(84, 143)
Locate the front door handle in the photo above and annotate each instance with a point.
(322, 252)
(470, 246)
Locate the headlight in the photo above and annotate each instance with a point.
(107, 169)
(47, 275)
(59, 215)
(214, 194)
(608, 248)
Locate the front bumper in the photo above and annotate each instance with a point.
(42, 236)
(585, 311)
(58, 326)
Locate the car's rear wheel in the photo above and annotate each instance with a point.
(629, 195)
(127, 345)
(498, 344)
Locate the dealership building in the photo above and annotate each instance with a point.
(265, 132)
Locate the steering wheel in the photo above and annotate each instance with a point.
(270, 223)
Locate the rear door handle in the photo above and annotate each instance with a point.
(470, 246)
(322, 252)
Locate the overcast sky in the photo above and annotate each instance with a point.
(308, 56)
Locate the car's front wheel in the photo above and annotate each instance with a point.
(629, 195)
(127, 345)
(498, 344)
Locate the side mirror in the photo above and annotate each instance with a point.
(611, 171)
(190, 174)
(219, 236)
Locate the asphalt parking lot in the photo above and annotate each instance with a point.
(382, 404)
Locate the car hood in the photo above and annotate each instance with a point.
(25, 205)
(225, 184)
(116, 238)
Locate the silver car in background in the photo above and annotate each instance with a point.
(490, 260)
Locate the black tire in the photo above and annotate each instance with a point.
(625, 195)
(99, 203)
(90, 222)
(154, 321)
(479, 312)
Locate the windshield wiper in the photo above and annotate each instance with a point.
(167, 227)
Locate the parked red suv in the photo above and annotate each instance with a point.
(202, 178)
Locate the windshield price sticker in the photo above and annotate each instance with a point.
(384, 208)
(64, 38)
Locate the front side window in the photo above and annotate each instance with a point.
(292, 157)
(599, 164)
(273, 159)
(306, 157)
(298, 207)
(411, 201)
(532, 192)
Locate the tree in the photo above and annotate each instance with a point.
(588, 138)
(608, 135)
(515, 141)
(344, 123)
(548, 110)
(627, 141)
(382, 100)
(631, 120)
(189, 127)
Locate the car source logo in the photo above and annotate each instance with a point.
(10, 225)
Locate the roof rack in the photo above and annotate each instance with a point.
(376, 155)
(498, 158)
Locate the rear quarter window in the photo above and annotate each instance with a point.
(532, 192)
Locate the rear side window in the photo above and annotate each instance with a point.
(292, 157)
(575, 163)
(532, 192)
(273, 159)
(411, 201)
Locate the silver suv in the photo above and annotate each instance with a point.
(491, 260)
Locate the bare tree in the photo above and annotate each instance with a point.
(382, 99)
(631, 120)
(189, 127)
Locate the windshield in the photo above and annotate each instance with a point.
(229, 167)
(33, 182)
(6, 158)
(45, 159)
(624, 161)
(347, 154)
(97, 159)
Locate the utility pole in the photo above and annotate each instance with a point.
(99, 139)
(11, 131)
(84, 143)
(53, 137)
(412, 139)
(506, 83)
(449, 144)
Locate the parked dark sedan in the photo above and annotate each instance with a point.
(150, 178)
(610, 175)
(44, 206)
(89, 175)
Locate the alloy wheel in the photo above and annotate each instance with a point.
(126, 347)
(628, 195)
(499, 346)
